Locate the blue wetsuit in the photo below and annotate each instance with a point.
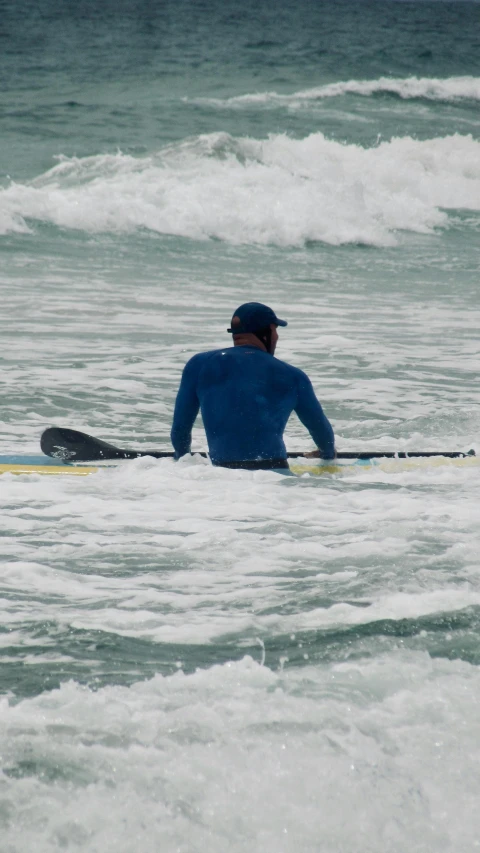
(246, 397)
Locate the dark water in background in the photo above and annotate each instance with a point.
(91, 77)
(161, 163)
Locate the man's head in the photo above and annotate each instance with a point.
(254, 318)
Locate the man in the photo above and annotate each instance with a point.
(246, 397)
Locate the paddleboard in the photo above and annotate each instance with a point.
(16, 464)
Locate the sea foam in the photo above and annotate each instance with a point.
(278, 190)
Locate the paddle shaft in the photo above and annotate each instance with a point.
(72, 445)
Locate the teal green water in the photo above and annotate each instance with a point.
(199, 659)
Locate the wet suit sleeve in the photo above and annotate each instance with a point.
(186, 409)
(312, 416)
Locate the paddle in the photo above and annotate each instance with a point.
(69, 445)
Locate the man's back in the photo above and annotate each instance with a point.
(246, 397)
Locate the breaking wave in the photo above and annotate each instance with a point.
(279, 191)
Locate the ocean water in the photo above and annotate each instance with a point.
(197, 659)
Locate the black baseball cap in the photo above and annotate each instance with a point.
(253, 316)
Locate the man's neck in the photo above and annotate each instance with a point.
(248, 340)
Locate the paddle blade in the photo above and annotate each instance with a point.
(70, 445)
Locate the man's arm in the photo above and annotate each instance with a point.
(312, 416)
(187, 405)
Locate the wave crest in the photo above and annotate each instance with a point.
(429, 88)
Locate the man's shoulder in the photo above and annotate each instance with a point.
(197, 361)
(203, 356)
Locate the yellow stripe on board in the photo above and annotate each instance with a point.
(319, 470)
(47, 469)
